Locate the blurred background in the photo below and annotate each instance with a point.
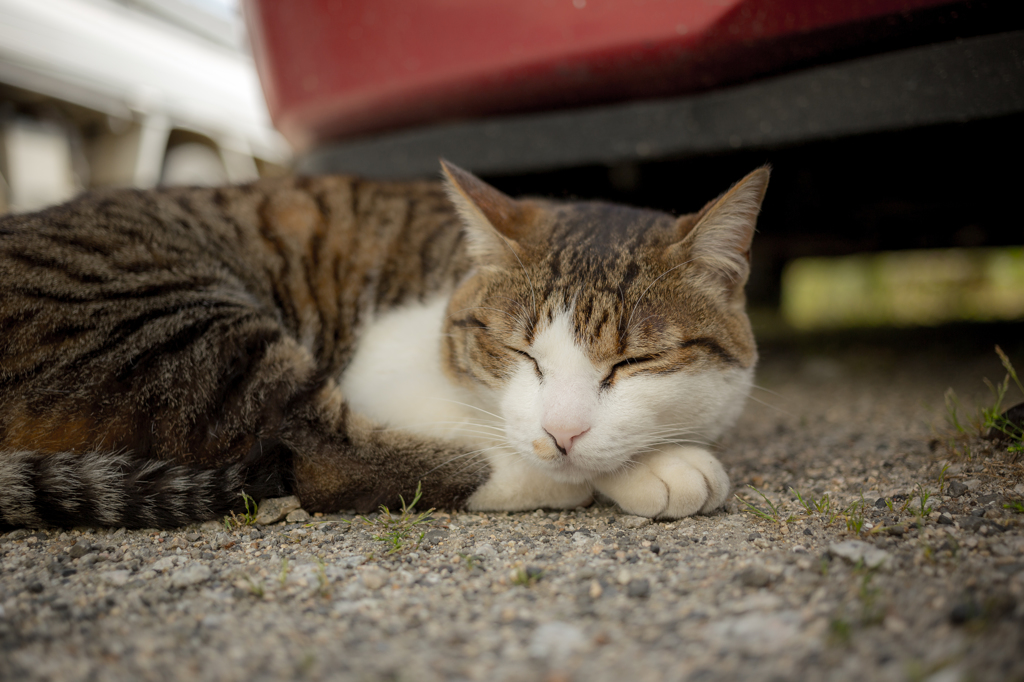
(893, 126)
(101, 93)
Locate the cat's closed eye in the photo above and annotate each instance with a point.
(627, 363)
(536, 365)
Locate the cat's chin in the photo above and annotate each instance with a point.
(573, 472)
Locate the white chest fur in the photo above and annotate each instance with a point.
(395, 377)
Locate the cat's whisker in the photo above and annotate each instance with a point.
(451, 427)
(682, 427)
(672, 441)
(771, 406)
(490, 459)
(456, 402)
(767, 390)
(681, 430)
(471, 454)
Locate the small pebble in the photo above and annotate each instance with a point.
(970, 522)
(856, 551)
(755, 576)
(193, 574)
(956, 489)
(639, 588)
(80, 549)
(276, 509)
(374, 579)
(634, 521)
(586, 573)
(556, 641)
(435, 536)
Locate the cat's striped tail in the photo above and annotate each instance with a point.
(107, 489)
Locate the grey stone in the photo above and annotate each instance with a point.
(756, 634)
(297, 516)
(586, 573)
(435, 536)
(276, 509)
(970, 522)
(485, 550)
(634, 521)
(374, 579)
(956, 489)
(639, 588)
(352, 561)
(856, 551)
(557, 641)
(755, 576)
(117, 578)
(178, 542)
(193, 574)
(80, 549)
(582, 539)
(165, 563)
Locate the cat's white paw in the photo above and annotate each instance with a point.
(669, 484)
(515, 485)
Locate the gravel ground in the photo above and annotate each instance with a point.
(593, 594)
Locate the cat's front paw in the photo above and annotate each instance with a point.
(669, 484)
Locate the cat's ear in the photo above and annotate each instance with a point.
(722, 231)
(494, 221)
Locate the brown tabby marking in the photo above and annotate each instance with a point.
(203, 326)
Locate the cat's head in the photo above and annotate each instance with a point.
(599, 331)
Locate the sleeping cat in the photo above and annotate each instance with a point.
(163, 352)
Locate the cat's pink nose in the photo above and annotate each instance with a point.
(565, 435)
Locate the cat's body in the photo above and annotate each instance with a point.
(161, 352)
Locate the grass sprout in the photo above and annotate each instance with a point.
(282, 577)
(399, 531)
(854, 516)
(1016, 506)
(247, 518)
(773, 515)
(526, 576)
(989, 420)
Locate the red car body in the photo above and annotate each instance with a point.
(332, 69)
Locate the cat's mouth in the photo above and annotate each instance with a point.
(575, 466)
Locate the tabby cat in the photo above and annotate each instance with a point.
(344, 340)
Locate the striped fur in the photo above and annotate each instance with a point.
(163, 352)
